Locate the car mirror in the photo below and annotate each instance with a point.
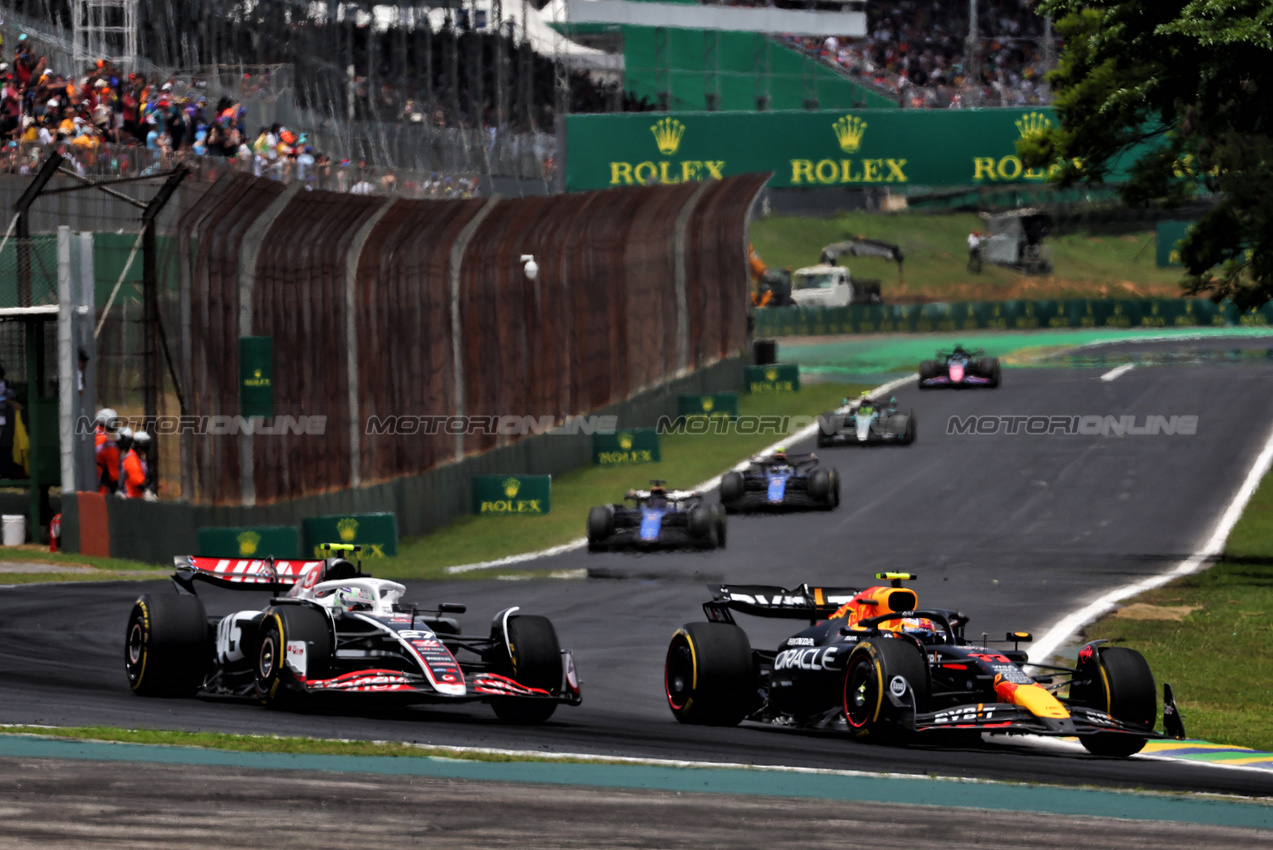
(452, 608)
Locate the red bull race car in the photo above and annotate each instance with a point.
(960, 368)
(330, 629)
(875, 665)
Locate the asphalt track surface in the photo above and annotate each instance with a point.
(1015, 530)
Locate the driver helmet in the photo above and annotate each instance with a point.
(353, 598)
(780, 454)
(658, 495)
(921, 627)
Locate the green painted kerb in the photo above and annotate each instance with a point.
(758, 782)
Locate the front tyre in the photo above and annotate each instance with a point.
(873, 670)
(534, 660)
(708, 676)
(167, 649)
(600, 527)
(296, 647)
(1117, 681)
(731, 489)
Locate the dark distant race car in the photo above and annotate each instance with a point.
(875, 665)
(658, 519)
(867, 422)
(781, 480)
(959, 368)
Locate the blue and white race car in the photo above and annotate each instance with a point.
(659, 519)
(781, 480)
(959, 368)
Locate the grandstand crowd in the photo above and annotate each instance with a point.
(106, 121)
(916, 52)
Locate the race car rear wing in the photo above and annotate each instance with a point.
(763, 600)
(245, 574)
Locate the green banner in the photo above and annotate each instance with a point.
(715, 406)
(256, 376)
(625, 448)
(1168, 234)
(1004, 315)
(505, 495)
(376, 533)
(778, 378)
(895, 148)
(280, 541)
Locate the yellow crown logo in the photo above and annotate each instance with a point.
(771, 374)
(347, 528)
(248, 541)
(511, 486)
(708, 404)
(1033, 124)
(849, 131)
(256, 373)
(625, 441)
(667, 135)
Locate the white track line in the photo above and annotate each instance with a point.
(1115, 373)
(709, 484)
(1069, 625)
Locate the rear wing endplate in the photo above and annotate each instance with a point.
(763, 600)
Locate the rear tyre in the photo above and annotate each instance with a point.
(731, 489)
(600, 527)
(278, 682)
(533, 659)
(709, 677)
(872, 670)
(1117, 681)
(992, 370)
(835, 489)
(719, 519)
(927, 371)
(908, 436)
(167, 648)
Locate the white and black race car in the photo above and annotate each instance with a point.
(335, 631)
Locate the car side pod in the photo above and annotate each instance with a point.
(1171, 722)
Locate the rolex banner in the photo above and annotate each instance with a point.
(278, 541)
(895, 148)
(716, 406)
(624, 448)
(776, 378)
(376, 533)
(505, 495)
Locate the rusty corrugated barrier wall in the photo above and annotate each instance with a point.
(382, 307)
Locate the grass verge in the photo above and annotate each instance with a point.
(45, 566)
(686, 461)
(1219, 655)
(277, 744)
(936, 250)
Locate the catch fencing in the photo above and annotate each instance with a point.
(385, 307)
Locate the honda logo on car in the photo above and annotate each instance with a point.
(814, 658)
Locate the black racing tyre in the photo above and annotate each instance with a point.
(820, 487)
(709, 676)
(731, 487)
(927, 371)
(721, 522)
(167, 645)
(834, 500)
(600, 525)
(908, 436)
(700, 523)
(872, 669)
(275, 680)
(533, 659)
(1117, 681)
(993, 371)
